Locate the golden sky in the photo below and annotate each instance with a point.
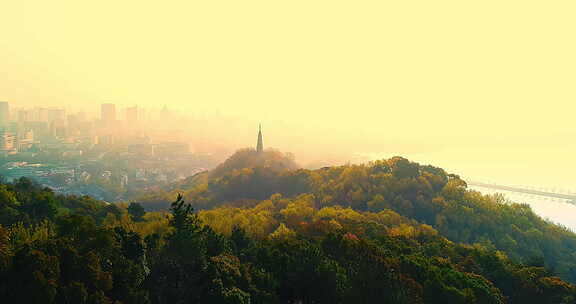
(492, 83)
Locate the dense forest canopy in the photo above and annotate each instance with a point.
(422, 193)
(259, 230)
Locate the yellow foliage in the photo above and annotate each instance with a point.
(402, 230)
(154, 222)
(257, 222)
(282, 232)
(43, 231)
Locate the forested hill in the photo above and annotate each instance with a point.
(387, 232)
(422, 193)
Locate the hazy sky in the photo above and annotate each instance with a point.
(485, 88)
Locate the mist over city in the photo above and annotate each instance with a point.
(300, 152)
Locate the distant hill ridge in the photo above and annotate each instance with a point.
(423, 193)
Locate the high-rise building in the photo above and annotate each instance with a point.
(4, 114)
(58, 128)
(56, 114)
(132, 115)
(260, 144)
(108, 112)
(165, 114)
(25, 115)
(81, 116)
(7, 141)
(24, 141)
(143, 114)
(42, 114)
(72, 120)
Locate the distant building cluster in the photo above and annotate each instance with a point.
(30, 131)
(106, 155)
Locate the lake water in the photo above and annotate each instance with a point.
(554, 209)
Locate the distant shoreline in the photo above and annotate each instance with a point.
(571, 198)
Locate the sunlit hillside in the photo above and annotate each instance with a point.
(391, 229)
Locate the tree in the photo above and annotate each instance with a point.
(136, 211)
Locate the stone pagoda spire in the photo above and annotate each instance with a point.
(260, 144)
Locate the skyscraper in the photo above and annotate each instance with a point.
(7, 141)
(166, 114)
(108, 112)
(132, 115)
(42, 114)
(260, 144)
(56, 114)
(25, 115)
(4, 114)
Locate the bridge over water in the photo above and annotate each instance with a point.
(570, 197)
